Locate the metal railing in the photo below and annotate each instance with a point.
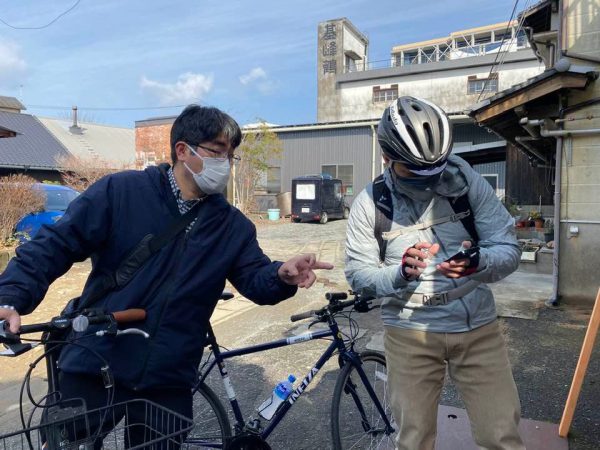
(444, 52)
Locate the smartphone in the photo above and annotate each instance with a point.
(463, 254)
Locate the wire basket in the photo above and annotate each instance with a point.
(133, 424)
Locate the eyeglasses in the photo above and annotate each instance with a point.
(219, 156)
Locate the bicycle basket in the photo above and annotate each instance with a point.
(133, 424)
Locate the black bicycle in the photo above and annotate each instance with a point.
(65, 424)
(360, 411)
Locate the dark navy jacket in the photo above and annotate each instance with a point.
(178, 287)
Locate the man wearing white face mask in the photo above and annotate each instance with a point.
(178, 286)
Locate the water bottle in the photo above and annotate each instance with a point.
(281, 392)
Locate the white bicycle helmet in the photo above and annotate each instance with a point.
(417, 133)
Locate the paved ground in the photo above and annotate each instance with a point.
(544, 344)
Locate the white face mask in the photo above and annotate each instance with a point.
(213, 177)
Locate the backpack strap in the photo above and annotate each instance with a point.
(384, 213)
(461, 205)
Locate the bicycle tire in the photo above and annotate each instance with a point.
(211, 424)
(351, 428)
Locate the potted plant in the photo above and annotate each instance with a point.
(537, 219)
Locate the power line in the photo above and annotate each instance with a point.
(98, 108)
(508, 26)
(43, 26)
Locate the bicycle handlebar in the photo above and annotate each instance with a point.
(361, 304)
(80, 323)
(302, 316)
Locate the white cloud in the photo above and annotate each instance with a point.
(255, 74)
(189, 87)
(12, 65)
(258, 77)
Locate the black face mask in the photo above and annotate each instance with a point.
(418, 181)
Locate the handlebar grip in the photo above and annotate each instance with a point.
(130, 315)
(35, 328)
(304, 315)
(336, 296)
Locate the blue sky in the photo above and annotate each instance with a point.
(253, 59)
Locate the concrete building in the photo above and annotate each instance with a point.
(453, 71)
(554, 118)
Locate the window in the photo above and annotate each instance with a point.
(478, 85)
(273, 180)
(521, 39)
(493, 180)
(341, 172)
(305, 191)
(411, 58)
(329, 170)
(385, 95)
(350, 64)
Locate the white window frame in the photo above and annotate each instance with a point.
(336, 165)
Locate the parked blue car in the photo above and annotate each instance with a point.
(56, 203)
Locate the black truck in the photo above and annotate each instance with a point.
(318, 197)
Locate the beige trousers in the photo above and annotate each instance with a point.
(478, 365)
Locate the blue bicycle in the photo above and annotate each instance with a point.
(360, 412)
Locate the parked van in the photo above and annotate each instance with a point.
(318, 197)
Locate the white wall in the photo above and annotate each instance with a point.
(446, 88)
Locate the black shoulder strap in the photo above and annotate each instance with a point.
(141, 253)
(384, 213)
(461, 204)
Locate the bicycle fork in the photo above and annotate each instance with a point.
(351, 357)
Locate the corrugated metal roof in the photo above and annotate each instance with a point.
(91, 140)
(11, 103)
(33, 146)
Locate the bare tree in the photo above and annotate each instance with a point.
(80, 173)
(256, 149)
(18, 197)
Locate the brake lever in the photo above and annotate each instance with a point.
(16, 349)
(6, 336)
(115, 332)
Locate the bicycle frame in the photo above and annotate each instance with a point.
(346, 355)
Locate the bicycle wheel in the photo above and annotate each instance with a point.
(211, 424)
(355, 420)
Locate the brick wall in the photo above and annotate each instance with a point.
(153, 143)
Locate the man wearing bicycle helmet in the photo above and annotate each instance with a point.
(437, 310)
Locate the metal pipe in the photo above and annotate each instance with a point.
(571, 119)
(590, 222)
(562, 133)
(373, 151)
(553, 301)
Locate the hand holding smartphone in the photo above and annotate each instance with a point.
(464, 254)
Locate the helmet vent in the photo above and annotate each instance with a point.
(413, 135)
(429, 136)
(416, 107)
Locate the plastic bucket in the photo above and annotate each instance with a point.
(273, 214)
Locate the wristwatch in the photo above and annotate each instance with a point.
(8, 307)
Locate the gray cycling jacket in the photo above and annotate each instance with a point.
(413, 213)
